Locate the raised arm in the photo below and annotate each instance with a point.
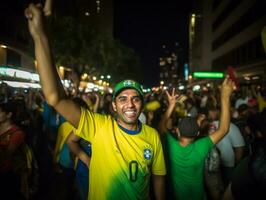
(226, 90)
(49, 78)
(171, 99)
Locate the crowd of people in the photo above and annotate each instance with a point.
(167, 144)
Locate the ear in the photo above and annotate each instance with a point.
(114, 106)
(177, 132)
(198, 133)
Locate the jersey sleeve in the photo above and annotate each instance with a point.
(89, 124)
(158, 166)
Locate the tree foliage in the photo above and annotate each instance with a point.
(85, 50)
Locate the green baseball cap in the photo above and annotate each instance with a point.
(127, 84)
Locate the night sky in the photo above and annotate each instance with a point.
(141, 25)
(145, 26)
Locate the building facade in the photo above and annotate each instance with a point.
(171, 64)
(227, 33)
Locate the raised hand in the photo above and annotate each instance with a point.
(171, 98)
(47, 8)
(174, 98)
(34, 15)
(228, 86)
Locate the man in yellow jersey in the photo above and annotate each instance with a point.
(126, 154)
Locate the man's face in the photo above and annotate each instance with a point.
(213, 115)
(4, 116)
(128, 106)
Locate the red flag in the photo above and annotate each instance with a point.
(233, 76)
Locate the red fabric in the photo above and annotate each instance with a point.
(232, 75)
(252, 102)
(13, 136)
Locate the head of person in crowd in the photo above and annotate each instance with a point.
(106, 104)
(188, 127)
(203, 122)
(127, 102)
(15, 110)
(5, 92)
(243, 111)
(79, 101)
(213, 114)
(6, 112)
(189, 103)
(9, 112)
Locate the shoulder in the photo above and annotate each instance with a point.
(86, 113)
(150, 133)
(149, 130)
(203, 140)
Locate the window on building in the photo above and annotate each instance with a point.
(252, 15)
(251, 51)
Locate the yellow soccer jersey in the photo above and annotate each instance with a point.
(121, 162)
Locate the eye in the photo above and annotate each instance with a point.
(136, 99)
(122, 99)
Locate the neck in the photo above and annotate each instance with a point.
(184, 141)
(131, 127)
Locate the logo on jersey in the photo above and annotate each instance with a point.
(147, 154)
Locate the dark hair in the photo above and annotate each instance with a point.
(188, 127)
(20, 114)
(190, 101)
(80, 102)
(7, 107)
(243, 107)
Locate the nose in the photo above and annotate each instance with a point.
(130, 103)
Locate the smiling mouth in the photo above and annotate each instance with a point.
(130, 114)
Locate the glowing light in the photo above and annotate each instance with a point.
(3, 46)
(196, 88)
(16, 73)
(16, 84)
(181, 87)
(208, 74)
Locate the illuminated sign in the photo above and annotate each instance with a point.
(208, 75)
(16, 73)
(186, 71)
(16, 84)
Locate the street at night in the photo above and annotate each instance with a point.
(112, 99)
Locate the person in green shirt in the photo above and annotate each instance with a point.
(184, 154)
